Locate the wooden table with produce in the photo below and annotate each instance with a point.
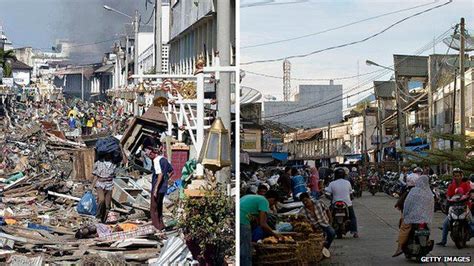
(298, 244)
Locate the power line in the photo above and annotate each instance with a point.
(311, 79)
(333, 100)
(417, 52)
(335, 28)
(340, 97)
(350, 43)
(272, 3)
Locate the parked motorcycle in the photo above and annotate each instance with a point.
(419, 243)
(459, 216)
(439, 191)
(397, 188)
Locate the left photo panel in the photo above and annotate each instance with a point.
(118, 132)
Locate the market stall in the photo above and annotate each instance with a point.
(299, 244)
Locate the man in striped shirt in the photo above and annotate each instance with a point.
(319, 217)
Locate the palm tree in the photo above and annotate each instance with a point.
(5, 61)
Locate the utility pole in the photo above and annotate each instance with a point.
(453, 128)
(365, 134)
(379, 127)
(329, 142)
(400, 120)
(158, 37)
(136, 24)
(461, 79)
(126, 60)
(82, 83)
(400, 115)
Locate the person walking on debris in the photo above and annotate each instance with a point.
(104, 172)
(162, 170)
(319, 216)
(90, 123)
(72, 122)
(84, 119)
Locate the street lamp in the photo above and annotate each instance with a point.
(136, 25)
(216, 150)
(372, 63)
(116, 11)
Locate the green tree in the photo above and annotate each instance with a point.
(5, 57)
(461, 156)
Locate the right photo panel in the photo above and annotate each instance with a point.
(356, 132)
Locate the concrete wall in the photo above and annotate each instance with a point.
(72, 86)
(309, 96)
(194, 33)
(186, 13)
(21, 77)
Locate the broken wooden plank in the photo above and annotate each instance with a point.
(63, 196)
(135, 242)
(14, 238)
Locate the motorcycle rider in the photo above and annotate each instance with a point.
(403, 175)
(415, 210)
(353, 175)
(456, 183)
(341, 190)
(411, 182)
(414, 175)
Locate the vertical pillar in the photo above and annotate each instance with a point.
(223, 46)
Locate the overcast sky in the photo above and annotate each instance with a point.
(39, 23)
(265, 21)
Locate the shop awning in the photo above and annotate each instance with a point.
(105, 69)
(261, 160)
(417, 148)
(280, 156)
(416, 142)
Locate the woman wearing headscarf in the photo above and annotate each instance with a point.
(314, 182)
(418, 208)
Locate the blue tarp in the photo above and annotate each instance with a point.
(417, 142)
(358, 157)
(281, 156)
(418, 148)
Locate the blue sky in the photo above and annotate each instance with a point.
(272, 22)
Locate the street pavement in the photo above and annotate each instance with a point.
(378, 230)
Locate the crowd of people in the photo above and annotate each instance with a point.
(259, 207)
(260, 200)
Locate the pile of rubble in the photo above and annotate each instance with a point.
(43, 176)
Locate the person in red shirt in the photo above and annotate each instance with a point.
(457, 182)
